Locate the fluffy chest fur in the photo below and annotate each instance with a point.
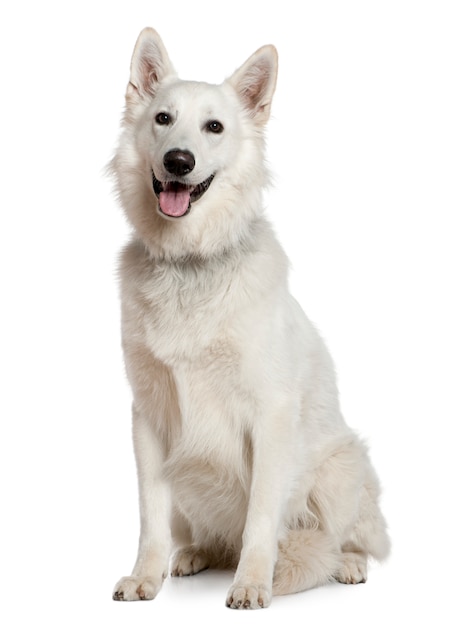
(192, 309)
(191, 316)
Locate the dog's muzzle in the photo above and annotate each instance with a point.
(175, 197)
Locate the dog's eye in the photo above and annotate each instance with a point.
(162, 118)
(214, 126)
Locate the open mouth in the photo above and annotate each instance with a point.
(175, 198)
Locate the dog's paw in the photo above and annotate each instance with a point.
(248, 597)
(189, 561)
(132, 588)
(353, 569)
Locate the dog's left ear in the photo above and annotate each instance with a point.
(255, 82)
(150, 65)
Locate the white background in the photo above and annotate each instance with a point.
(366, 144)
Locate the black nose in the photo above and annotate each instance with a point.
(179, 162)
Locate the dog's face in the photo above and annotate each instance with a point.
(192, 133)
(190, 164)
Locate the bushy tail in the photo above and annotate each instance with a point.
(306, 558)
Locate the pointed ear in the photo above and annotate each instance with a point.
(150, 65)
(255, 82)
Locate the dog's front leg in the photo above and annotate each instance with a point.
(154, 545)
(252, 585)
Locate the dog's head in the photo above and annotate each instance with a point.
(191, 150)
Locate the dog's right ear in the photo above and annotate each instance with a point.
(255, 82)
(150, 65)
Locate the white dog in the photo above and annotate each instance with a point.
(244, 459)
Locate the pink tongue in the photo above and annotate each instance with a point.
(174, 203)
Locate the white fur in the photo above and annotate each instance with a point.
(243, 456)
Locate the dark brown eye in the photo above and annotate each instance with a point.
(163, 118)
(214, 126)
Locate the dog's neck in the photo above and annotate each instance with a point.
(228, 252)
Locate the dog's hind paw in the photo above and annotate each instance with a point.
(188, 561)
(353, 569)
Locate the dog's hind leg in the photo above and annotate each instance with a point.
(345, 498)
(367, 538)
(351, 527)
(307, 558)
